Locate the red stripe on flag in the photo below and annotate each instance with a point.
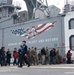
(40, 26)
(45, 29)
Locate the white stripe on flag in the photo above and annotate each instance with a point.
(47, 25)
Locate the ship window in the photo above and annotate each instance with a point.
(23, 15)
(0, 10)
(71, 40)
(71, 23)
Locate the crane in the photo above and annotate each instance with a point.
(31, 4)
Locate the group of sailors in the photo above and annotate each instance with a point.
(30, 56)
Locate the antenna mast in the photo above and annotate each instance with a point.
(66, 1)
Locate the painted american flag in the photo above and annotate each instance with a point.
(34, 31)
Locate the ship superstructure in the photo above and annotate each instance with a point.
(46, 28)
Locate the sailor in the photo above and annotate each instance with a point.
(2, 56)
(24, 54)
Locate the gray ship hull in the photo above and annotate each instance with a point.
(58, 36)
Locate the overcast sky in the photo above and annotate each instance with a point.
(58, 3)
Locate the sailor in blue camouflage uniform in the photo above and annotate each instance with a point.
(24, 54)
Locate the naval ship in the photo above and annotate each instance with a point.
(46, 27)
